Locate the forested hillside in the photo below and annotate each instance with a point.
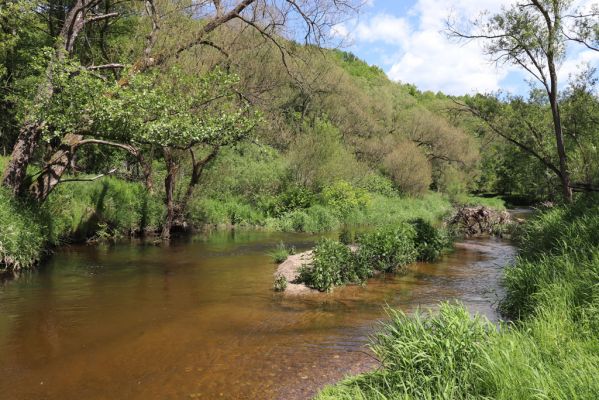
(131, 117)
(139, 126)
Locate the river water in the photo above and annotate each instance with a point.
(199, 320)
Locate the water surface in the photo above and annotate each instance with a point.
(199, 320)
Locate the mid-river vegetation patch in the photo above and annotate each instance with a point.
(387, 249)
(549, 350)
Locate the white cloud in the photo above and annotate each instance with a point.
(414, 48)
(383, 28)
(422, 53)
(572, 66)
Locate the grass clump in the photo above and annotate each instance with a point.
(282, 252)
(423, 356)
(22, 233)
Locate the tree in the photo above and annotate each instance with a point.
(532, 35)
(270, 18)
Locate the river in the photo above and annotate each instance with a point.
(199, 319)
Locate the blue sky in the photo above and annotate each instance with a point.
(406, 39)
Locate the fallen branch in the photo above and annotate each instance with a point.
(95, 178)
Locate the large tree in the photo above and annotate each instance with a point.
(164, 43)
(533, 35)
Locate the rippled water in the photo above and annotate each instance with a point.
(198, 319)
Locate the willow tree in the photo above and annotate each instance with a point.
(533, 35)
(160, 46)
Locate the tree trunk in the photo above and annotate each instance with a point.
(30, 133)
(15, 172)
(169, 187)
(559, 136)
(55, 168)
(196, 174)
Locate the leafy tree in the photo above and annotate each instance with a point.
(532, 35)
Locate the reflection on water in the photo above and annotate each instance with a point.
(199, 320)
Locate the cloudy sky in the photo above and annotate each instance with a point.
(406, 39)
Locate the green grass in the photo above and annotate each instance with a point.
(22, 233)
(549, 351)
(79, 211)
(281, 253)
(491, 202)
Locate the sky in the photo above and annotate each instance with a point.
(406, 39)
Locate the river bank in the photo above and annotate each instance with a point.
(549, 350)
(111, 208)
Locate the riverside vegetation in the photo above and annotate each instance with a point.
(157, 117)
(149, 119)
(388, 249)
(549, 350)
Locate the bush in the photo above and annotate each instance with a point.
(409, 168)
(280, 284)
(388, 249)
(375, 183)
(430, 241)
(343, 198)
(332, 265)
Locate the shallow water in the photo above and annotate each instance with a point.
(199, 319)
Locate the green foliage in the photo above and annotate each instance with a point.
(424, 356)
(318, 158)
(230, 211)
(343, 198)
(280, 284)
(332, 265)
(559, 249)
(375, 183)
(388, 249)
(495, 203)
(79, 210)
(281, 253)
(550, 351)
(430, 241)
(409, 169)
(293, 198)
(22, 236)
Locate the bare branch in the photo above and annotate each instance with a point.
(101, 17)
(95, 178)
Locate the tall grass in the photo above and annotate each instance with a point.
(549, 351)
(73, 212)
(22, 233)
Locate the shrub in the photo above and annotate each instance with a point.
(388, 249)
(375, 183)
(293, 198)
(332, 265)
(430, 241)
(343, 198)
(280, 284)
(409, 168)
